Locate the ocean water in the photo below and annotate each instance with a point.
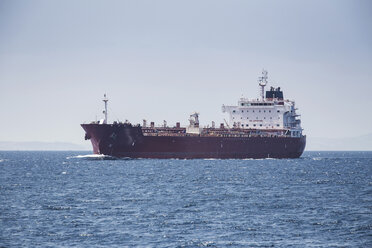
(71, 199)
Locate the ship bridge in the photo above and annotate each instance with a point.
(272, 112)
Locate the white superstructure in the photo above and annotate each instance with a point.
(271, 113)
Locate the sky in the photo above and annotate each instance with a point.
(162, 60)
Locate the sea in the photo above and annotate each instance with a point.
(75, 199)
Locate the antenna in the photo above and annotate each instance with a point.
(262, 81)
(227, 124)
(105, 100)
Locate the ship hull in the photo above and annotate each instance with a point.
(128, 141)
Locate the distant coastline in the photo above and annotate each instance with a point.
(358, 143)
(42, 146)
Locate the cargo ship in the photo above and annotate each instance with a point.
(266, 127)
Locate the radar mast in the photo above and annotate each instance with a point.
(105, 100)
(262, 81)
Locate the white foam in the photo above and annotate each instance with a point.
(91, 156)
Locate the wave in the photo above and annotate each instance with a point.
(317, 158)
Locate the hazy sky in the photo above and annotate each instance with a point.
(165, 59)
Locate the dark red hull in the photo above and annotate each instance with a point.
(129, 141)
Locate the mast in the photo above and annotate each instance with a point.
(262, 81)
(105, 100)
